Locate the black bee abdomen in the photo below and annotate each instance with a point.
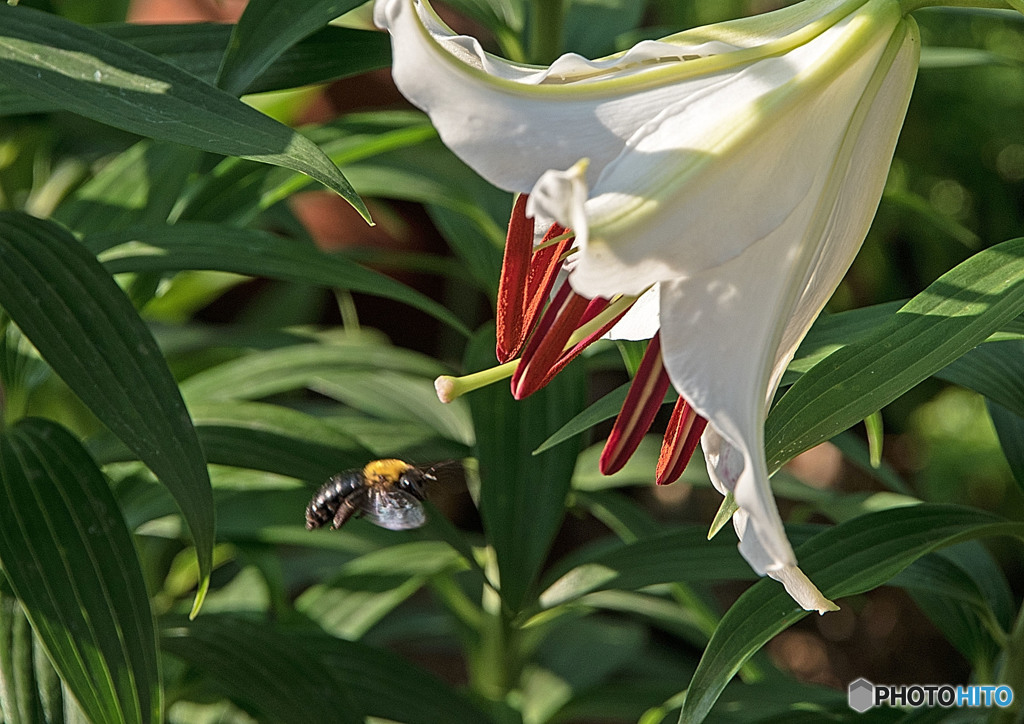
(329, 498)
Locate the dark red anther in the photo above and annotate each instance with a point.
(681, 437)
(644, 399)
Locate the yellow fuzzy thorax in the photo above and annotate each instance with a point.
(384, 471)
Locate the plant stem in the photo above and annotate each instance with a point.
(1012, 670)
(494, 661)
(545, 30)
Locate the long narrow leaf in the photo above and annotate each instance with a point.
(1010, 429)
(198, 49)
(996, 370)
(271, 372)
(139, 187)
(684, 555)
(522, 498)
(87, 331)
(266, 29)
(19, 700)
(249, 251)
(89, 73)
(277, 439)
(954, 314)
(70, 558)
(851, 558)
(308, 676)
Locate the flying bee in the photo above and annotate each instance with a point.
(390, 493)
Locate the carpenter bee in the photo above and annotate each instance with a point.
(388, 492)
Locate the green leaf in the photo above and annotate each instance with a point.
(638, 470)
(249, 251)
(89, 73)
(199, 48)
(276, 439)
(70, 558)
(522, 496)
(263, 671)
(329, 54)
(850, 558)
(578, 654)
(594, 26)
(393, 396)
(430, 174)
(138, 187)
(995, 369)
(371, 586)
(664, 613)
(604, 409)
(19, 699)
(935, 58)
(91, 11)
(235, 190)
(476, 250)
(834, 331)
(87, 331)
(266, 29)
(625, 518)
(683, 555)
(303, 676)
(954, 314)
(271, 372)
(951, 598)
(1010, 430)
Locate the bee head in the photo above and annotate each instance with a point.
(400, 474)
(412, 482)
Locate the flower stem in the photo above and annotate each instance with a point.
(909, 6)
(1012, 669)
(545, 30)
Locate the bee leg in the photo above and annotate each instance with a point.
(349, 506)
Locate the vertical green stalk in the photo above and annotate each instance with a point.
(491, 673)
(1012, 671)
(17, 677)
(546, 17)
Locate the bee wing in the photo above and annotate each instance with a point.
(393, 509)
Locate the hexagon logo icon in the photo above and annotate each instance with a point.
(861, 695)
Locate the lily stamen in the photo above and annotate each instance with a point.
(596, 325)
(528, 273)
(645, 397)
(556, 325)
(512, 287)
(681, 437)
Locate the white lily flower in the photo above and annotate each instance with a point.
(732, 169)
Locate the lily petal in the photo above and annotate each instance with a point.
(642, 319)
(768, 314)
(728, 165)
(511, 122)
